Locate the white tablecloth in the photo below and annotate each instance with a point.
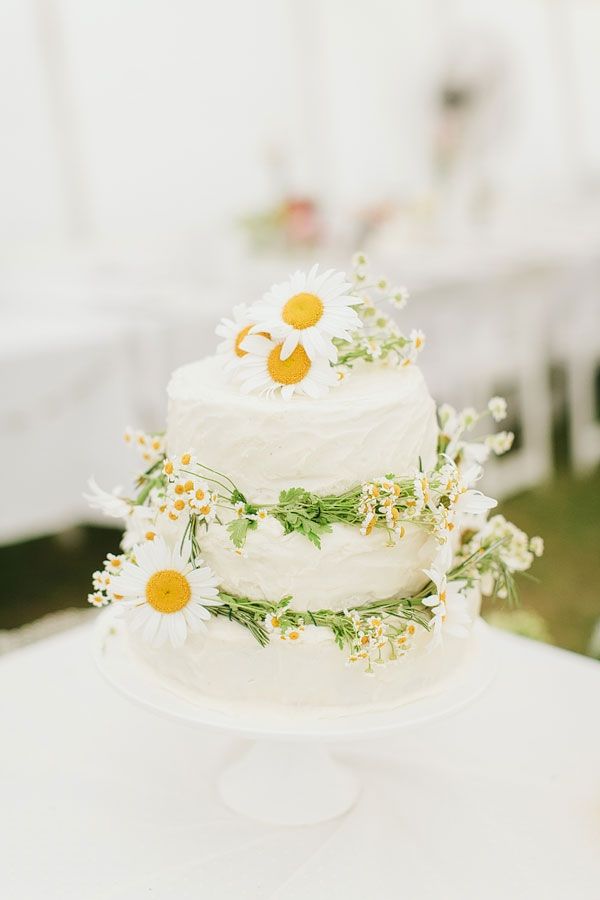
(101, 799)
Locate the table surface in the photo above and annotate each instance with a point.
(102, 799)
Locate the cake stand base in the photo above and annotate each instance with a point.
(293, 784)
(288, 776)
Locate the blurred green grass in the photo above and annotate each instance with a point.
(54, 573)
(566, 592)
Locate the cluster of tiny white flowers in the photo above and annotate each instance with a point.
(501, 442)
(454, 424)
(397, 296)
(274, 624)
(186, 493)
(244, 510)
(375, 642)
(105, 581)
(428, 497)
(516, 550)
(151, 447)
(378, 327)
(380, 498)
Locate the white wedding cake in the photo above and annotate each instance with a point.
(307, 535)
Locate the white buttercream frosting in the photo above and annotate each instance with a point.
(228, 669)
(348, 569)
(377, 421)
(380, 421)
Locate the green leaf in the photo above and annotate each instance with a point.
(238, 530)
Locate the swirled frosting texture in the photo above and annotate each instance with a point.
(348, 567)
(228, 669)
(379, 420)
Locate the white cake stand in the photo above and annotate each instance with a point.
(317, 787)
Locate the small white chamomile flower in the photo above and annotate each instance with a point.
(360, 260)
(501, 442)
(200, 496)
(273, 621)
(536, 545)
(497, 407)
(418, 339)
(292, 634)
(101, 580)
(97, 599)
(113, 562)
(342, 373)
(399, 297)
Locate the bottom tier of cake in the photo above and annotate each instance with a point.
(227, 669)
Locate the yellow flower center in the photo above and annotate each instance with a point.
(302, 310)
(240, 339)
(290, 370)
(168, 591)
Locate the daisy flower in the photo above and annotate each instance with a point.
(97, 599)
(473, 503)
(450, 618)
(308, 311)
(448, 604)
(165, 596)
(234, 331)
(266, 370)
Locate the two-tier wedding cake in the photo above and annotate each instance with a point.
(307, 535)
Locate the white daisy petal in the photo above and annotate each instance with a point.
(152, 626)
(289, 345)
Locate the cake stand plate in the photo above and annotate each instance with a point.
(317, 787)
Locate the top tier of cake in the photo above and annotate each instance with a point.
(380, 420)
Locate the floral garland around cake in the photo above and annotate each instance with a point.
(306, 335)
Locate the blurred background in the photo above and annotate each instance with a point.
(161, 162)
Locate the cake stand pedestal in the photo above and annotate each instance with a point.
(288, 775)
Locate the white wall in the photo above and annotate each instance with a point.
(156, 119)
